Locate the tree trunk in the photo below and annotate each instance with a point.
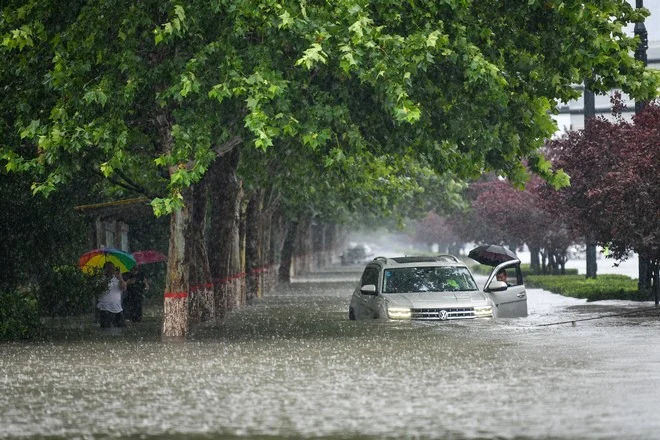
(645, 273)
(275, 245)
(544, 256)
(175, 307)
(592, 263)
(177, 285)
(319, 245)
(288, 250)
(242, 220)
(225, 194)
(267, 276)
(332, 242)
(303, 256)
(654, 266)
(534, 262)
(552, 264)
(254, 235)
(201, 304)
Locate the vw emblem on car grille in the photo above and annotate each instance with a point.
(443, 315)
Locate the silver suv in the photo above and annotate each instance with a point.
(434, 288)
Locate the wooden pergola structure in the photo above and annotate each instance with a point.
(111, 221)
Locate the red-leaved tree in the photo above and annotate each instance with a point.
(615, 185)
(502, 214)
(434, 229)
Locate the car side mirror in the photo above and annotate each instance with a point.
(368, 289)
(497, 286)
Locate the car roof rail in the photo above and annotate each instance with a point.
(380, 258)
(449, 257)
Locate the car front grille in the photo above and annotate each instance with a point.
(436, 314)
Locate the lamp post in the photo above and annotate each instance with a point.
(644, 266)
(589, 114)
(640, 53)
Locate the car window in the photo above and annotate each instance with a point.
(517, 279)
(370, 276)
(513, 275)
(428, 279)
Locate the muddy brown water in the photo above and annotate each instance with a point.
(293, 366)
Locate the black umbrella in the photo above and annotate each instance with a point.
(491, 254)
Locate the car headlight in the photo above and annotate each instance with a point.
(398, 312)
(483, 312)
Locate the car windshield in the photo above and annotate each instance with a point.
(428, 279)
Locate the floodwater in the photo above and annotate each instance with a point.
(294, 366)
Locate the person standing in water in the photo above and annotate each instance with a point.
(109, 304)
(136, 285)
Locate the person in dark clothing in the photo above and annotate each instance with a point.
(136, 285)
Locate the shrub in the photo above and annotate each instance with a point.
(19, 318)
(486, 270)
(67, 291)
(603, 287)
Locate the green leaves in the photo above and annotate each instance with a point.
(457, 87)
(96, 95)
(162, 206)
(543, 167)
(19, 38)
(312, 56)
(176, 27)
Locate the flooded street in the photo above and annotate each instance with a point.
(294, 366)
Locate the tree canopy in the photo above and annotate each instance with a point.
(134, 89)
(615, 182)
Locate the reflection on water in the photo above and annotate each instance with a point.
(294, 366)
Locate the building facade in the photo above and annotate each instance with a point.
(571, 114)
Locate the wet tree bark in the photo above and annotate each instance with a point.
(175, 307)
(645, 274)
(177, 286)
(654, 266)
(319, 245)
(201, 304)
(242, 215)
(592, 262)
(303, 256)
(268, 277)
(288, 249)
(534, 262)
(225, 193)
(331, 241)
(254, 238)
(277, 228)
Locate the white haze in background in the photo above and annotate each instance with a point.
(391, 244)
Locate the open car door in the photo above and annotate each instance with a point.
(509, 297)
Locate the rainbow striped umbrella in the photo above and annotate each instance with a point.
(93, 261)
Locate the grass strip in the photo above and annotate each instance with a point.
(604, 287)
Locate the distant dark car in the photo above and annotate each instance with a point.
(358, 254)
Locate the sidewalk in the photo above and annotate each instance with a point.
(605, 265)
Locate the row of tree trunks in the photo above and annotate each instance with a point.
(225, 248)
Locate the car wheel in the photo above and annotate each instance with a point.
(351, 314)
